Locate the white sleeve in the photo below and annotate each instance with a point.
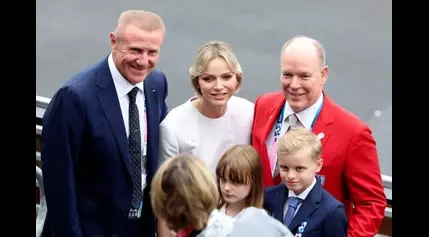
(168, 144)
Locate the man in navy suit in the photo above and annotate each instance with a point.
(99, 145)
(301, 202)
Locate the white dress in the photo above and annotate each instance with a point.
(218, 225)
(232, 218)
(186, 130)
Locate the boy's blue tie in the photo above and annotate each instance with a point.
(292, 204)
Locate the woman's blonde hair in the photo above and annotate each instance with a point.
(184, 192)
(208, 52)
(242, 165)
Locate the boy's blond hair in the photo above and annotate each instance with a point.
(243, 165)
(184, 192)
(297, 139)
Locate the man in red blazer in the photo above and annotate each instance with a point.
(351, 170)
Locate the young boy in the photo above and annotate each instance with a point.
(300, 202)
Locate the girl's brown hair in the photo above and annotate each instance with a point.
(242, 164)
(183, 192)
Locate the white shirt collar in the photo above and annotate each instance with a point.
(307, 115)
(304, 194)
(121, 84)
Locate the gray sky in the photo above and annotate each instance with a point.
(357, 36)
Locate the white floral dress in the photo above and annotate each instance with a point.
(219, 225)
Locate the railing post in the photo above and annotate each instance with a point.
(43, 209)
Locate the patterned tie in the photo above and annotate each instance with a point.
(134, 143)
(292, 203)
(293, 122)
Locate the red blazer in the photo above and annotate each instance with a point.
(350, 160)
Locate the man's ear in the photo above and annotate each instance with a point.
(113, 41)
(324, 75)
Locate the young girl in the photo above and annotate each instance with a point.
(239, 176)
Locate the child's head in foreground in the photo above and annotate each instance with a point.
(184, 192)
(239, 176)
(299, 158)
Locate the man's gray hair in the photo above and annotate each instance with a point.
(320, 50)
(145, 20)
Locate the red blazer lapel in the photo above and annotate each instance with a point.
(325, 119)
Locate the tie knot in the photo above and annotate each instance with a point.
(293, 120)
(133, 94)
(294, 201)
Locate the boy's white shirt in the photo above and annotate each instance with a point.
(302, 196)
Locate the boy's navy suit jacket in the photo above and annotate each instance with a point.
(326, 215)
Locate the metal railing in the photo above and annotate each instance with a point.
(387, 183)
(41, 209)
(42, 104)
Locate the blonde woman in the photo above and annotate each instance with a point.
(213, 121)
(184, 197)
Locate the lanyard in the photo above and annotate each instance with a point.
(145, 130)
(144, 148)
(273, 154)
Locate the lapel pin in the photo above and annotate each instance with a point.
(320, 136)
(153, 90)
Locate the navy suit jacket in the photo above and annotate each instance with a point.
(326, 215)
(85, 156)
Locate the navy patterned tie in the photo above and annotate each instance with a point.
(134, 143)
(292, 205)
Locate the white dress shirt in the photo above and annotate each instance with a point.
(305, 118)
(122, 88)
(301, 196)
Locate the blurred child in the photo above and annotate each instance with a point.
(239, 176)
(300, 202)
(184, 197)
